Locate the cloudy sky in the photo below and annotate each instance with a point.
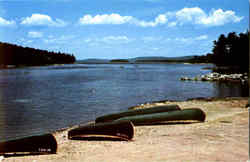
(121, 28)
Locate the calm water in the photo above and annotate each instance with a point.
(43, 99)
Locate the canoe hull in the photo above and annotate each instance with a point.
(186, 114)
(115, 130)
(157, 109)
(43, 144)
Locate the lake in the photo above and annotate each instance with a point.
(37, 100)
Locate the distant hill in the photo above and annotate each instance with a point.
(93, 61)
(120, 61)
(159, 59)
(150, 59)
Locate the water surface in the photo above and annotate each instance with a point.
(43, 99)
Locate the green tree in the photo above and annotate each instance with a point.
(232, 51)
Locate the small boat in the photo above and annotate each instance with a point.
(156, 109)
(41, 144)
(185, 114)
(105, 131)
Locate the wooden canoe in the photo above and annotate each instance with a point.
(108, 130)
(42, 144)
(156, 109)
(185, 114)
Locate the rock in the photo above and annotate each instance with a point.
(218, 77)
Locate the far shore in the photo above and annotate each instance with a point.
(212, 68)
(143, 63)
(223, 137)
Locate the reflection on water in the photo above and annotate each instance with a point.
(42, 99)
(231, 89)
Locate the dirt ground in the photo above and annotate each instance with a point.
(224, 136)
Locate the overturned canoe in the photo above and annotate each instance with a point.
(42, 144)
(186, 114)
(156, 109)
(109, 130)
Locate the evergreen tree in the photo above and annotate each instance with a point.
(16, 55)
(232, 50)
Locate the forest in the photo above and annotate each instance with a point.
(232, 51)
(11, 54)
(230, 54)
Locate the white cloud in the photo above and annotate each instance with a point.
(24, 42)
(4, 22)
(43, 20)
(50, 40)
(118, 19)
(191, 39)
(202, 37)
(34, 34)
(108, 40)
(105, 19)
(115, 38)
(160, 19)
(189, 15)
(220, 17)
(197, 16)
(153, 39)
(184, 40)
(172, 24)
(59, 40)
(193, 15)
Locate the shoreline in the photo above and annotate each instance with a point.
(161, 102)
(153, 103)
(224, 129)
(157, 103)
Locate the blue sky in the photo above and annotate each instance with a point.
(121, 28)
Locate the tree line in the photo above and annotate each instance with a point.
(11, 54)
(232, 51)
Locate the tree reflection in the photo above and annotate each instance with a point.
(231, 89)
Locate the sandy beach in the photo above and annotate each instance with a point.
(224, 136)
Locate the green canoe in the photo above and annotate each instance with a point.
(123, 130)
(156, 109)
(185, 114)
(41, 144)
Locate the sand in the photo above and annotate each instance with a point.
(222, 137)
